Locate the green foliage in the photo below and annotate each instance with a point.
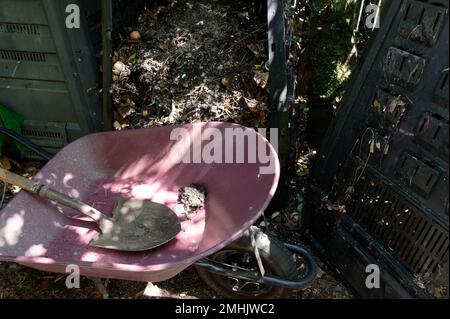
(10, 120)
(331, 33)
(132, 57)
(328, 72)
(339, 7)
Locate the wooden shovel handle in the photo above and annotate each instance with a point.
(47, 192)
(14, 179)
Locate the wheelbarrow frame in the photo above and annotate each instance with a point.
(229, 271)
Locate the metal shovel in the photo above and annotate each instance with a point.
(136, 225)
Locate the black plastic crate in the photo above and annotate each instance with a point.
(385, 159)
(49, 74)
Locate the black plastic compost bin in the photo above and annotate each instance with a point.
(380, 182)
(51, 74)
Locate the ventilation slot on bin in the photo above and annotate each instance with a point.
(433, 133)
(422, 22)
(417, 174)
(48, 135)
(412, 237)
(19, 28)
(441, 92)
(22, 56)
(403, 68)
(35, 133)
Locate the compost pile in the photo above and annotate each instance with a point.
(192, 61)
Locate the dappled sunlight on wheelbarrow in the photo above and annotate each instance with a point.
(136, 164)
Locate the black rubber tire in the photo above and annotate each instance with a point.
(276, 258)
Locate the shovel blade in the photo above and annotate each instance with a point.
(138, 225)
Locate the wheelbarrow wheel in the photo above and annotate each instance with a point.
(277, 261)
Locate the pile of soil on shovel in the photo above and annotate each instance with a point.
(193, 61)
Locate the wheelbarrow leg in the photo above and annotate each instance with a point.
(101, 287)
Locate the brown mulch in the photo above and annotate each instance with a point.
(194, 61)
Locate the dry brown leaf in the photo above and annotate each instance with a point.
(378, 145)
(439, 292)
(119, 67)
(386, 149)
(275, 215)
(117, 125)
(5, 163)
(125, 110)
(395, 103)
(255, 48)
(336, 207)
(251, 103)
(376, 104)
(244, 15)
(225, 82)
(372, 146)
(349, 190)
(261, 78)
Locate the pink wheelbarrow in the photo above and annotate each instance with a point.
(238, 168)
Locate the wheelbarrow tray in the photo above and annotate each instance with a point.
(136, 164)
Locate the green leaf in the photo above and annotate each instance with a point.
(132, 57)
(11, 120)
